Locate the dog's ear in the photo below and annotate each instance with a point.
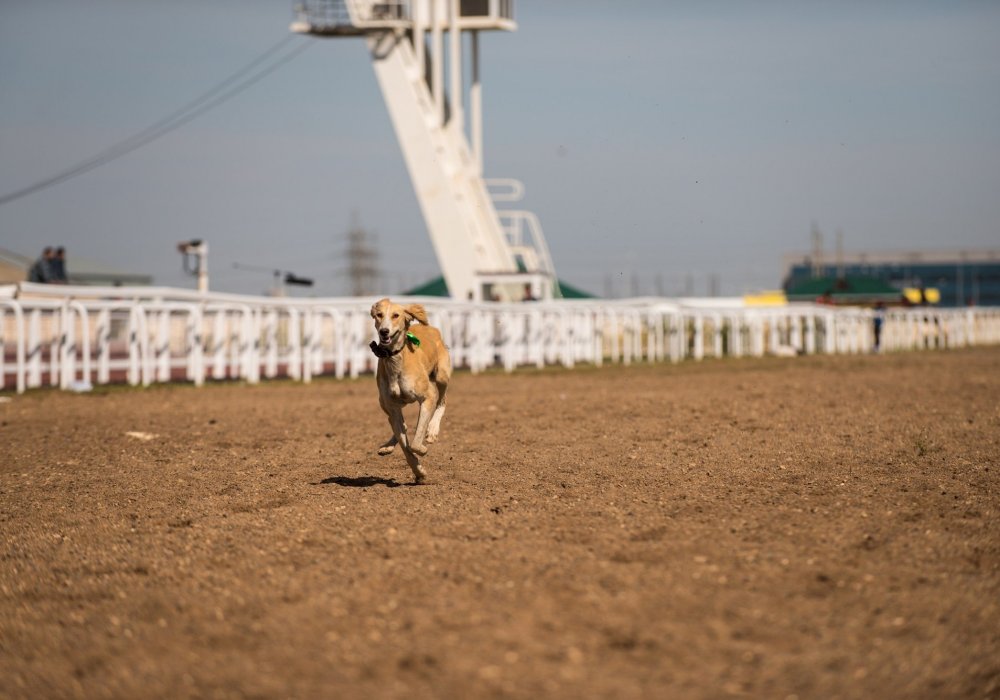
(377, 304)
(415, 312)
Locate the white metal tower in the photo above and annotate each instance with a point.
(484, 253)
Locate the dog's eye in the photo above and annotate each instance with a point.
(378, 316)
(395, 315)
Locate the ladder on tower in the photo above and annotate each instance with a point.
(484, 253)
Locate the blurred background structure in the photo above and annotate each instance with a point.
(955, 278)
(669, 148)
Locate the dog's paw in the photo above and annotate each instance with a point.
(431, 439)
(418, 449)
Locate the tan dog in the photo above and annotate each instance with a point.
(413, 366)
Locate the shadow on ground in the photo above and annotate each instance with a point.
(363, 482)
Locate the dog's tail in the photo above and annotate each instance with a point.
(416, 313)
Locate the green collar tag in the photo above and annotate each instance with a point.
(413, 339)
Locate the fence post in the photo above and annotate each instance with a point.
(254, 322)
(103, 338)
(271, 343)
(67, 351)
(678, 337)
(84, 343)
(161, 349)
(20, 368)
(56, 341)
(146, 363)
(196, 342)
(698, 351)
(809, 333)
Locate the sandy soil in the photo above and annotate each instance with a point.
(815, 527)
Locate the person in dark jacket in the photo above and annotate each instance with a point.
(58, 266)
(41, 270)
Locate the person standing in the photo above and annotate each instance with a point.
(58, 266)
(878, 320)
(41, 270)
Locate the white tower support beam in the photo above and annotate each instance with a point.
(418, 36)
(483, 253)
(455, 67)
(437, 57)
(461, 219)
(476, 104)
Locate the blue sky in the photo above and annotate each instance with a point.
(665, 141)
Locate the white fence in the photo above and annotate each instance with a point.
(73, 337)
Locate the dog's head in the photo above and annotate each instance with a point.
(392, 320)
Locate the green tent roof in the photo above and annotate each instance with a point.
(438, 288)
(571, 292)
(432, 288)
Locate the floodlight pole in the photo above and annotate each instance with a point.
(199, 249)
(203, 268)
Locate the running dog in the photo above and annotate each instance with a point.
(413, 366)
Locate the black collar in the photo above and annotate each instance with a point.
(382, 352)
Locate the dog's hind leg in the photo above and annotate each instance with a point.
(434, 426)
(419, 445)
(387, 447)
(442, 376)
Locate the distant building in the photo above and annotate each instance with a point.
(14, 268)
(961, 277)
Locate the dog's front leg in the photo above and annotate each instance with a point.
(389, 445)
(398, 424)
(413, 459)
(399, 435)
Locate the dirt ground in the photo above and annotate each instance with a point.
(811, 528)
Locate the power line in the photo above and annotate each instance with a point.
(217, 95)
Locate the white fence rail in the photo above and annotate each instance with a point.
(73, 337)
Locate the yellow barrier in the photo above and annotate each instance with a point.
(774, 297)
